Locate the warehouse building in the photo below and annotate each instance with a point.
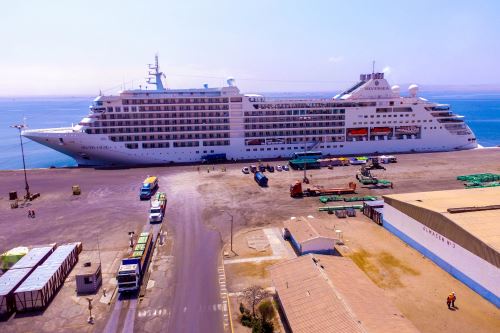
(309, 235)
(319, 293)
(458, 229)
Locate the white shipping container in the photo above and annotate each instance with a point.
(39, 288)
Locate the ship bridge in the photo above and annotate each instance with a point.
(370, 86)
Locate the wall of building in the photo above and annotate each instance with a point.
(475, 272)
(318, 245)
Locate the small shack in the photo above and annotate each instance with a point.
(310, 236)
(374, 210)
(88, 274)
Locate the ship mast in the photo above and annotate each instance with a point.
(156, 75)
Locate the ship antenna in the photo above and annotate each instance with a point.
(156, 75)
(373, 67)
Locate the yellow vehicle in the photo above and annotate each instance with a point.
(149, 185)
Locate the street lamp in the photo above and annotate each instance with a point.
(232, 218)
(90, 320)
(305, 180)
(20, 127)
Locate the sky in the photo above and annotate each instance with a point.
(60, 47)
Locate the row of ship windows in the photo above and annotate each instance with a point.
(180, 101)
(296, 125)
(164, 115)
(183, 144)
(389, 122)
(157, 122)
(126, 138)
(118, 109)
(289, 119)
(389, 116)
(293, 133)
(156, 129)
(396, 109)
(299, 112)
(314, 105)
(290, 148)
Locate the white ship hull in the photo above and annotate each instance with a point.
(96, 150)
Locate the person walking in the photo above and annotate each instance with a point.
(33, 213)
(450, 300)
(453, 299)
(29, 213)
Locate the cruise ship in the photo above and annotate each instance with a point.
(162, 126)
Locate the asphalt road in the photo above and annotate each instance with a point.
(196, 299)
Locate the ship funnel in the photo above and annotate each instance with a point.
(205, 85)
(413, 89)
(230, 81)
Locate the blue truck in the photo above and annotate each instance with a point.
(148, 187)
(260, 179)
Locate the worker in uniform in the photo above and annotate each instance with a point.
(450, 300)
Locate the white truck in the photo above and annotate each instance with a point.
(132, 269)
(157, 209)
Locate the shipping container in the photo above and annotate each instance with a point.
(40, 287)
(8, 283)
(34, 257)
(260, 179)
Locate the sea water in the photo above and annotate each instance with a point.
(481, 111)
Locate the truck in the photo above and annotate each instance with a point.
(157, 209)
(149, 185)
(132, 269)
(296, 190)
(213, 158)
(260, 179)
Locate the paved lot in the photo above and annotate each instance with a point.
(185, 292)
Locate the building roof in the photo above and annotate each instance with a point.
(476, 231)
(86, 257)
(325, 294)
(34, 257)
(11, 279)
(304, 229)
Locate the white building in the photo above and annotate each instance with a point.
(459, 230)
(309, 236)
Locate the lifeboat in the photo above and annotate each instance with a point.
(357, 132)
(381, 131)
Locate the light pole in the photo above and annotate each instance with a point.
(20, 127)
(232, 218)
(90, 320)
(305, 180)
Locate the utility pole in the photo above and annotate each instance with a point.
(20, 127)
(232, 218)
(90, 320)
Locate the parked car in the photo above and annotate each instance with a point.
(262, 168)
(279, 168)
(270, 168)
(285, 167)
(253, 168)
(245, 170)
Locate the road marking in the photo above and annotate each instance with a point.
(256, 259)
(185, 308)
(152, 313)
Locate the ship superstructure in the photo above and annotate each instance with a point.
(160, 126)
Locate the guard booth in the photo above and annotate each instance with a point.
(88, 274)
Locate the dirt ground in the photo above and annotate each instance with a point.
(109, 207)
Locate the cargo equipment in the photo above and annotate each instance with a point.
(297, 192)
(365, 198)
(334, 208)
(328, 198)
(260, 179)
(132, 269)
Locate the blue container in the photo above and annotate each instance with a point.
(260, 179)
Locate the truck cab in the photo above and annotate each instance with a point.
(128, 278)
(155, 212)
